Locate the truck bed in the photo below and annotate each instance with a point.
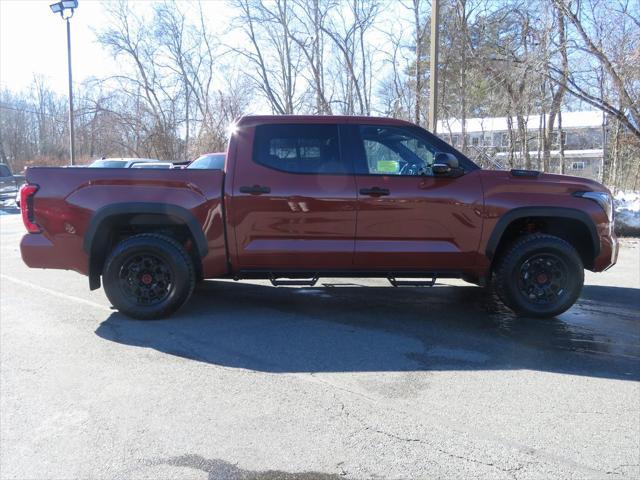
(68, 199)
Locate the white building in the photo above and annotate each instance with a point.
(487, 140)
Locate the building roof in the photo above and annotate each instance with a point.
(570, 120)
(587, 153)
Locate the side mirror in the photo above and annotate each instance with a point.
(444, 164)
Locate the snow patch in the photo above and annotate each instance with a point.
(627, 207)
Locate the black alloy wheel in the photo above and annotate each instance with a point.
(539, 275)
(148, 276)
(543, 278)
(145, 279)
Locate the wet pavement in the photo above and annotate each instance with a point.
(451, 327)
(351, 378)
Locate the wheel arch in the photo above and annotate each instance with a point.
(572, 225)
(98, 236)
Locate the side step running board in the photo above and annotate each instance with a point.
(412, 283)
(291, 283)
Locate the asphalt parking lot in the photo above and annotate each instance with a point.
(351, 379)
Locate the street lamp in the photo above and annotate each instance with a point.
(66, 8)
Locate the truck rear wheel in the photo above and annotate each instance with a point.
(539, 276)
(148, 276)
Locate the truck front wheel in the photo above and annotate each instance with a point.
(148, 276)
(539, 276)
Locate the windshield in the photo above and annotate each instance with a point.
(213, 161)
(109, 164)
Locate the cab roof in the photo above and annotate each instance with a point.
(253, 120)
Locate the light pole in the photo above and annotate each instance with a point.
(66, 8)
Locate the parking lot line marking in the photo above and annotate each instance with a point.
(55, 293)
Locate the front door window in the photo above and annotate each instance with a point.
(396, 151)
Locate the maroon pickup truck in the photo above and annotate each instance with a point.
(303, 197)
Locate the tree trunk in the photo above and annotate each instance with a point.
(558, 95)
(561, 144)
(524, 140)
(613, 181)
(187, 121)
(512, 142)
(418, 69)
(541, 126)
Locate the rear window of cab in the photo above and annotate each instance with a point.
(312, 148)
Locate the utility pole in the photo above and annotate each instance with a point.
(433, 76)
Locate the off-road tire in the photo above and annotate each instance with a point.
(513, 265)
(166, 259)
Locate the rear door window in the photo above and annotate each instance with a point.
(4, 171)
(300, 149)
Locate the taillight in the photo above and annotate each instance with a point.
(26, 206)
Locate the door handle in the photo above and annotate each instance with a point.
(255, 189)
(374, 191)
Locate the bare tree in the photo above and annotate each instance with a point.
(611, 46)
(275, 60)
(348, 30)
(128, 38)
(308, 34)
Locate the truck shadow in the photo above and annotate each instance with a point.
(347, 327)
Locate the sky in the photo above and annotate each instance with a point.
(33, 41)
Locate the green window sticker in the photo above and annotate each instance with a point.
(388, 166)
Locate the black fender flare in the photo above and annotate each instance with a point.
(95, 240)
(556, 212)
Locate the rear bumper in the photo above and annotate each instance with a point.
(64, 253)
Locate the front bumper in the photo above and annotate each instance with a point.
(608, 253)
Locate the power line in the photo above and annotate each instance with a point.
(26, 110)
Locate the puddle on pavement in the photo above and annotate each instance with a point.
(580, 329)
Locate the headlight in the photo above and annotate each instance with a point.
(601, 198)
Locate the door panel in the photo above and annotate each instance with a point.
(293, 220)
(425, 223)
(411, 219)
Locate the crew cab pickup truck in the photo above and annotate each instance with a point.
(301, 197)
